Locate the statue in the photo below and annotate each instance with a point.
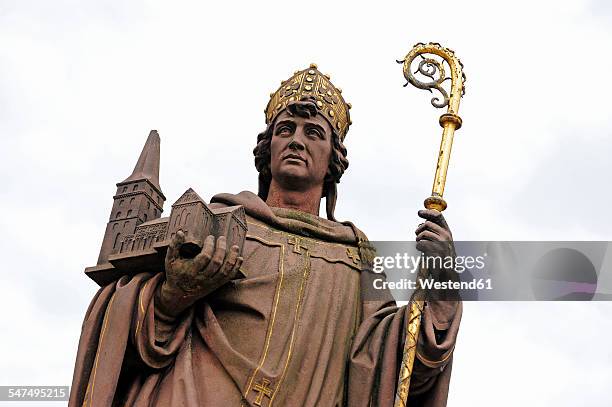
(253, 299)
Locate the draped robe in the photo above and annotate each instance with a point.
(295, 332)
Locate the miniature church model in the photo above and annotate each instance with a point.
(137, 237)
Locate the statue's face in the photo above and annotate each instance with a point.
(300, 150)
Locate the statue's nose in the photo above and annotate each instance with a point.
(296, 142)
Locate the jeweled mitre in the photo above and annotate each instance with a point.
(312, 84)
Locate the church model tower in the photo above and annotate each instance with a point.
(137, 237)
(138, 199)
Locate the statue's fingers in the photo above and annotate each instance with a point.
(428, 235)
(239, 262)
(173, 248)
(431, 244)
(424, 246)
(429, 225)
(433, 216)
(235, 271)
(203, 258)
(218, 256)
(230, 261)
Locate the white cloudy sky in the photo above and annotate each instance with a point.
(82, 83)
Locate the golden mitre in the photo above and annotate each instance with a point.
(312, 84)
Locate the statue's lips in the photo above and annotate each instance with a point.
(294, 157)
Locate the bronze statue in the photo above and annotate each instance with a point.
(265, 308)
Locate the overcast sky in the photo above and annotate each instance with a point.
(82, 83)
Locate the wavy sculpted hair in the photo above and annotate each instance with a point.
(338, 162)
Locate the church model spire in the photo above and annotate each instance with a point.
(147, 167)
(138, 199)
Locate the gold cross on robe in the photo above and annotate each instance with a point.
(296, 241)
(262, 390)
(353, 255)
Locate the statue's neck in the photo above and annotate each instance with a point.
(308, 200)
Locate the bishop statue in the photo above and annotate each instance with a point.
(274, 317)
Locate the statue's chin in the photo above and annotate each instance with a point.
(294, 180)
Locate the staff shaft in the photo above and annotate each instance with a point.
(443, 159)
(450, 122)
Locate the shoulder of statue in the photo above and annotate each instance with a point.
(367, 251)
(216, 205)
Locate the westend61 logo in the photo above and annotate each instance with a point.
(405, 261)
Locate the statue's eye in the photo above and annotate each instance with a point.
(313, 131)
(284, 129)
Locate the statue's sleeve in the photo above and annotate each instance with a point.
(432, 367)
(157, 337)
(119, 329)
(103, 346)
(377, 352)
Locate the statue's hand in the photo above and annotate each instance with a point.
(188, 280)
(434, 237)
